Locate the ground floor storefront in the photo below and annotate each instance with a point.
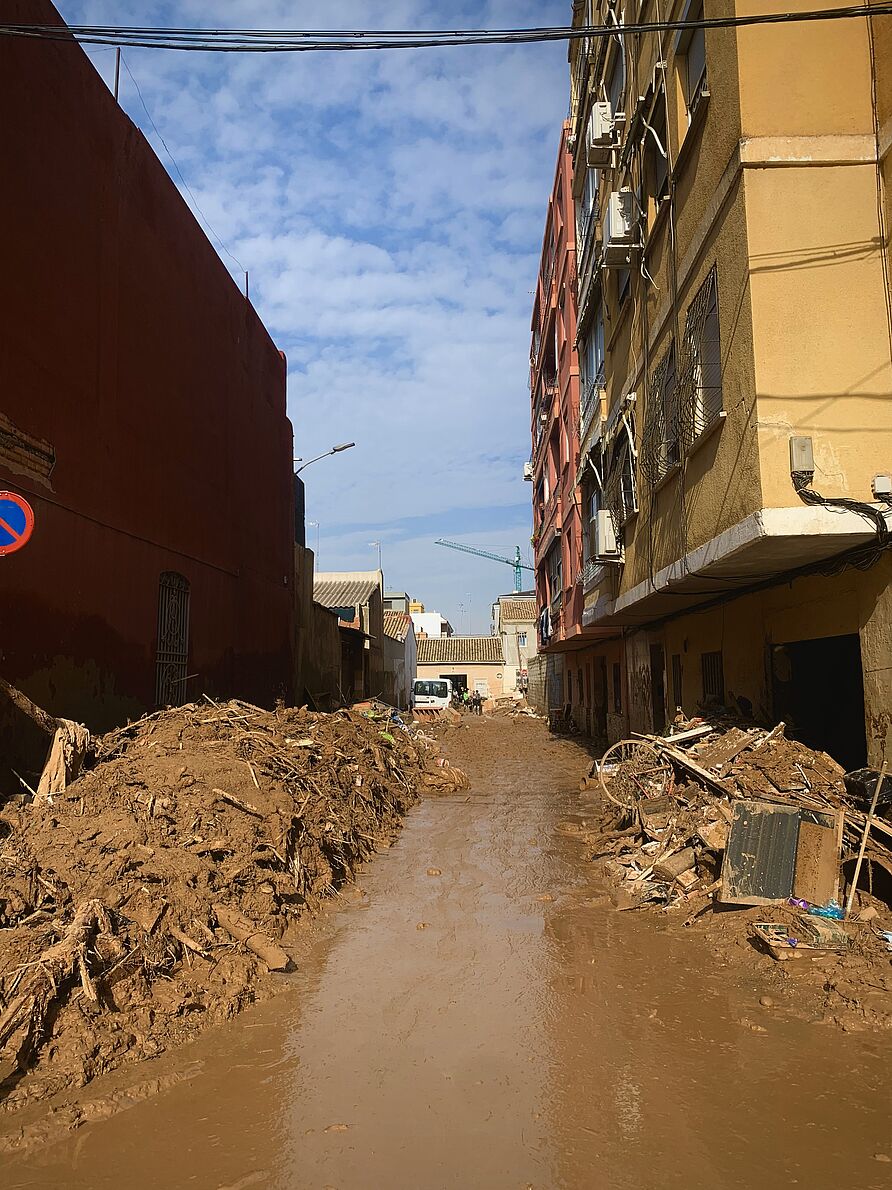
(815, 653)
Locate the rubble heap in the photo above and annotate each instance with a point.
(156, 892)
(730, 824)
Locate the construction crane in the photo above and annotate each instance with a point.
(515, 561)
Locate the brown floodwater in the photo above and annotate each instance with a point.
(527, 1036)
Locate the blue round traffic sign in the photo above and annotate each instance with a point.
(16, 522)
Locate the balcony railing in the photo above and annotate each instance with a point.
(591, 574)
(590, 405)
(547, 279)
(586, 227)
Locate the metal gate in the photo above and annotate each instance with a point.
(172, 659)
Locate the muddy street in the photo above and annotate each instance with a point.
(479, 1015)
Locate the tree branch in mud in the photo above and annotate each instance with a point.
(23, 1023)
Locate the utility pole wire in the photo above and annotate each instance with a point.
(188, 189)
(260, 41)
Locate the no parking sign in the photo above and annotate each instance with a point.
(16, 522)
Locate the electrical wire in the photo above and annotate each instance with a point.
(188, 189)
(806, 493)
(303, 41)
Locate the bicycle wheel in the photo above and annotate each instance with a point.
(632, 769)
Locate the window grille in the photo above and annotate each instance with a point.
(685, 393)
(661, 445)
(713, 677)
(676, 681)
(702, 336)
(172, 657)
(620, 492)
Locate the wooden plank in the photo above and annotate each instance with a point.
(685, 762)
(817, 863)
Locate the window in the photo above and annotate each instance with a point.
(656, 159)
(691, 49)
(676, 680)
(702, 333)
(713, 677)
(521, 640)
(623, 285)
(669, 412)
(592, 353)
(587, 208)
(555, 571)
(593, 507)
(617, 689)
(616, 85)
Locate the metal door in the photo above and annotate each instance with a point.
(172, 658)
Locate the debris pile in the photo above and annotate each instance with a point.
(156, 892)
(514, 709)
(725, 816)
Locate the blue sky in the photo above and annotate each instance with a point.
(389, 207)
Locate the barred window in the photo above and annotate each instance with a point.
(620, 489)
(669, 404)
(713, 674)
(702, 334)
(661, 445)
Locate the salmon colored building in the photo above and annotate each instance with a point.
(554, 392)
(142, 416)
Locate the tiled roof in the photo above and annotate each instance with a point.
(461, 650)
(343, 592)
(519, 609)
(396, 625)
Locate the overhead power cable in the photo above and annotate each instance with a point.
(265, 41)
(186, 186)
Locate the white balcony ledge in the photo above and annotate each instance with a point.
(767, 543)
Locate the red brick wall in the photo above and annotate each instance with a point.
(126, 346)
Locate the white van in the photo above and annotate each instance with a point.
(433, 694)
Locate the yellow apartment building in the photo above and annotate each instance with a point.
(735, 348)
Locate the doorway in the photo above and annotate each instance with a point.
(657, 688)
(818, 692)
(459, 681)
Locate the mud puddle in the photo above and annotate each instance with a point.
(483, 1018)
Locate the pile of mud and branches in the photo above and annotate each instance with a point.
(764, 845)
(162, 889)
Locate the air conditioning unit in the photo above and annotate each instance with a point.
(619, 229)
(605, 538)
(528, 471)
(599, 134)
(543, 418)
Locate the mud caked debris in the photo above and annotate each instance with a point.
(753, 838)
(163, 888)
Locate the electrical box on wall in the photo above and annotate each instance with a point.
(802, 457)
(881, 486)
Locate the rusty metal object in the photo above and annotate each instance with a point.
(632, 769)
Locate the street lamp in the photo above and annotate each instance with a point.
(335, 450)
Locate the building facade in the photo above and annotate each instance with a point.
(143, 418)
(429, 623)
(400, 659)
(514, 620)
(470, 662)
(736, 374)
(356, 596)
(554, 404)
